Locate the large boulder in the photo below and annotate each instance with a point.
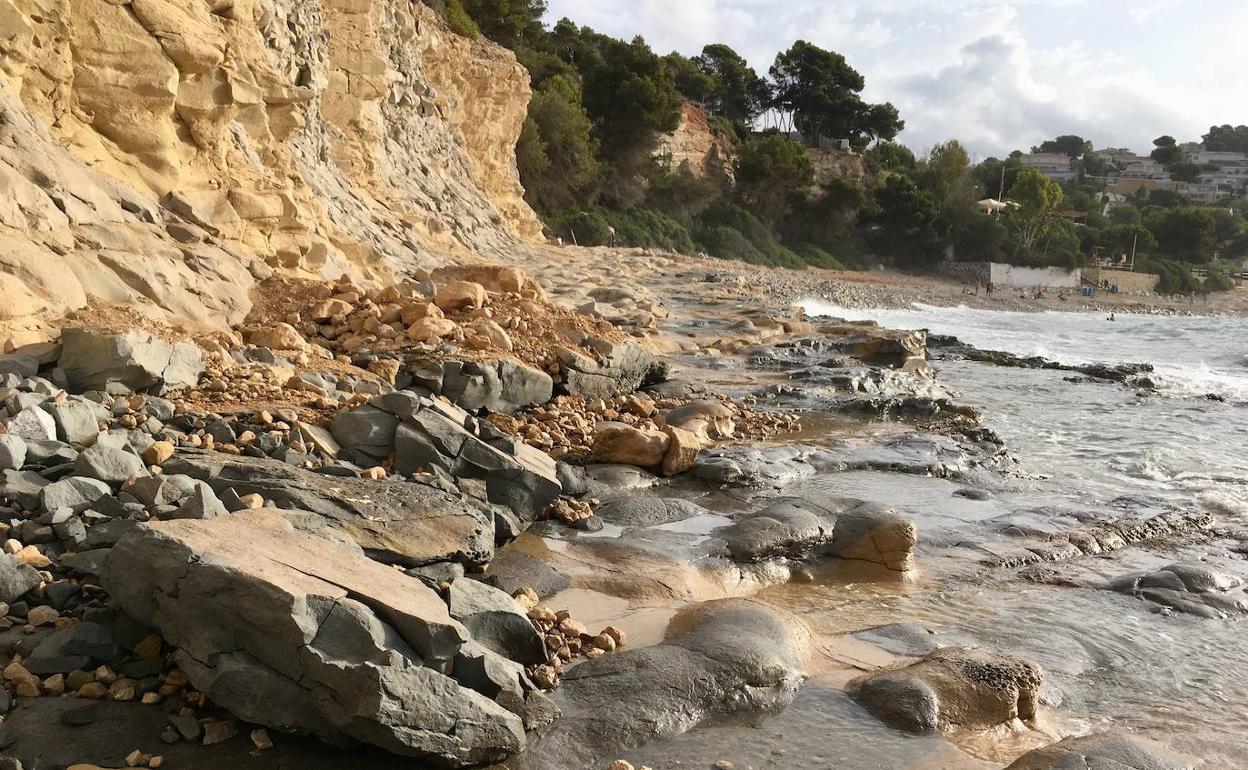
(784, 529)
(15, 578)
(136, 359)
(499, 385)
(622, 367)
(434, 436)
(300, 634)
(32, 424)
(397, 522)
(952, 688)
(1105, 751)
(876, 535)
(723, 657)
(617, 442)
(496, 621)
(12, 452)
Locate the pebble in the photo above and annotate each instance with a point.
(261, 740)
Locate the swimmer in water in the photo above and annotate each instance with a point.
(1111, 317)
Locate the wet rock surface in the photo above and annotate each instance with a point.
(1196, 589)
(953, 688)
(1113, 751)
(722, 657)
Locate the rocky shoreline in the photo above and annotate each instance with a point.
(364, 517)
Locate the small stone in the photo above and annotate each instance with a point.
(42, 616)
(616, 634)
(526, 597)
(724, 764)
(150, 698)
(219, 731)
(149, 648)
(376, 473)
(123, 690)
(76, 679)
(158, 453)
(105, 675)
(252, 501)
(32, 556)
(92, 691)
(54, 685)
(620, 764)
(604, 642)
(156, 761)
(134, 758)
(261, 740)
(574, 628)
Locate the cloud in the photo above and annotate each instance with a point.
(995, 74)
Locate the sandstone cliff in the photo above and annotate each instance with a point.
(168, 152)
(696, 149)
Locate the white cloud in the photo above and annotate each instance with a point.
(995, 74)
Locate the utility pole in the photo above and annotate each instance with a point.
(1134, 244)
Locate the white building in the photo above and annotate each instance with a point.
(1055, 165)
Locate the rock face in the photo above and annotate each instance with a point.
(167, 153)
(1105, 750)
(696, 149)
(300, 634)
(951, 688)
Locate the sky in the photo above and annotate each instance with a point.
(997, 76)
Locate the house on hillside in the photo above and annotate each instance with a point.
(1055, 165)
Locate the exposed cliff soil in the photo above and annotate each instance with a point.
(696, 149)
(170, 153)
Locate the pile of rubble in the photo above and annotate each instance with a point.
(660, 432)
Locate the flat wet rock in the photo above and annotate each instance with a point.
(1191, 588)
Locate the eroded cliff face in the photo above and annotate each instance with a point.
(168, 152)
(696, 149)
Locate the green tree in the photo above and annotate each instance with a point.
(1166, 151)
(903, 224)
(1227, 138)
(772, 173)
(556, 154)
(889, 156)
(995, 177)
(508, 22)
(1068, 144)
(821, 91)
(630, 95)
(1126, 214)
(691, 81)
(1188, 234)
(1036, 198)
(737, 93)
(1185, 172)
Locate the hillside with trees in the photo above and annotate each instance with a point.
(588, 162)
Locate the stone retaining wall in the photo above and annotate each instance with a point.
(1126, 281)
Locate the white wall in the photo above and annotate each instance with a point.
(1052, 277)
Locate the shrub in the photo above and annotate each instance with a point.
(459, 20)
(585, 228)
(817, 257)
